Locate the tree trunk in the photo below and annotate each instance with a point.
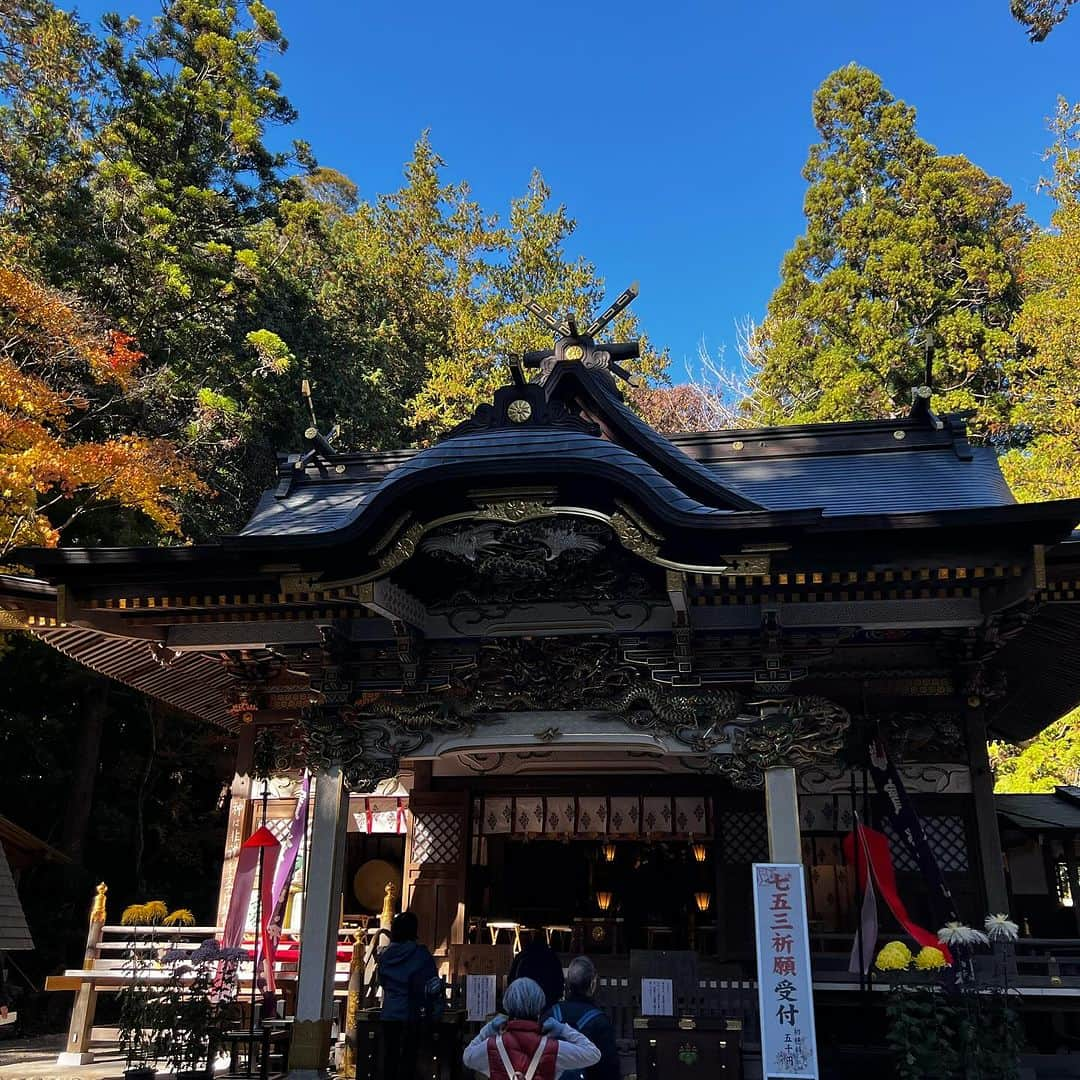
(95, 707)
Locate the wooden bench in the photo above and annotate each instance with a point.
(108, 966)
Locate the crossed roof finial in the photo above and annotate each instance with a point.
(574, 346)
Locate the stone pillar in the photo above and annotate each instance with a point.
(986, 822)
(782, 815)
(319, 929)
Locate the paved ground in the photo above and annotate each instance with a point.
(31, 1059)
(35, 1059)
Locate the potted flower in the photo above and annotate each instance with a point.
(919, 1034)
(963, 1026)
(138, 997)
(197, 1003)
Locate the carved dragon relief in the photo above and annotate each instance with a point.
(796, 732)
(373, 732)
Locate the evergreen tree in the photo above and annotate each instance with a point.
(1041, 763)
(1045, 379)
(49, 82)
(907, 255)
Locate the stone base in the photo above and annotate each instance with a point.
(67, 1058)
(309, 1050)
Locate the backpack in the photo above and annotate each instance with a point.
(427, 998)
(584, 1020)
(507, 1064)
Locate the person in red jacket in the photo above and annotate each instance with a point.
(518, 1047)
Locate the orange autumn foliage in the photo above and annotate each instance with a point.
(54, 365)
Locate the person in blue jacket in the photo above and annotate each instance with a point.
(412, 993)
(580, 1011)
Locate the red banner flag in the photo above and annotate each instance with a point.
(247, 867)
(875, 848)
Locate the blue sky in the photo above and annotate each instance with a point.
(674, 132)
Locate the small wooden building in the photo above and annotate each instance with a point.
(547, 667)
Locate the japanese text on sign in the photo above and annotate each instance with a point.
(785, 986)
(480, 996)
(657, 998)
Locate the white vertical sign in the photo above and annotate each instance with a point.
(657, 998)
(480, 996)
(785, 983)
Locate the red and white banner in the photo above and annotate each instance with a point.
(876, 860)
(247, 869)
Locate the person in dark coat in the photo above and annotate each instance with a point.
(580, 1011)
(537, 961)
(406, 970)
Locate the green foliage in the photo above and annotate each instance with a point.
(1040, 764)
(920, 1033)
(239, 270)
(955, 1030)
(48, 76)
(905, 252)
(1046, 376)
(1040, 16)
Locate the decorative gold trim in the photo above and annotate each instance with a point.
(635, 539)
(513, 511)
(403, 549)
(388, 537)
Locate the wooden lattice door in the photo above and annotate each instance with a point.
(436, 862)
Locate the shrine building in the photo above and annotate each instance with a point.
(561, 675)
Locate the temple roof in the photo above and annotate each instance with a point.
(867, 467)
(880, 466)
(838, 531)
(326, 506)
(1058, 809)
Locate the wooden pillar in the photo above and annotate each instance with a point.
(986, 823)
(321, 918)
(77, 1051)
(237, 827)
(782, 815)
(436, 864)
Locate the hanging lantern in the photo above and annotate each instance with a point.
(700, 851)
(703, 901)
(609, 852)
(603, 900)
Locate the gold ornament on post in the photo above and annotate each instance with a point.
(387, 916)
(97, 911)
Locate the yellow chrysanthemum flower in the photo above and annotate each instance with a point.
(134, 915)
(895, 956)
(156, 910)
(930, 959)
(180, 917)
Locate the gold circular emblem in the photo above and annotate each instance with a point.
(573, 352)
(519, 410)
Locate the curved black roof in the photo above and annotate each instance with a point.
(329, 506)
(863, 468)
